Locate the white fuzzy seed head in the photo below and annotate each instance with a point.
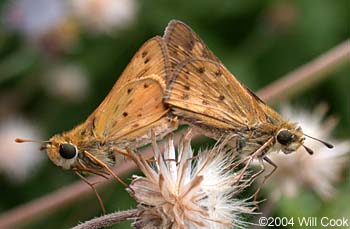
(183, 191)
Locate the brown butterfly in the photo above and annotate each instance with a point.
(124, 118)
(204, 94)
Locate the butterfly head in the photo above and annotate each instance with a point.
(61, 152)
(65, 154)
(290, 139)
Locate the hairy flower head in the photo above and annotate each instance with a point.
(181, 190)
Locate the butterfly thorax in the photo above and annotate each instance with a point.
(250, 139)
(268, 137)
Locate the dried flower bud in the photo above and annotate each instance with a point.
(181, 190)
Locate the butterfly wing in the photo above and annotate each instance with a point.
(201, 83)
(135, 102)
(142, 109)
(184, 44)
(207, 93)
(151, 58)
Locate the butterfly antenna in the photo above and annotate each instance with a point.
(328, 145)
(22, 140)
(310, 151)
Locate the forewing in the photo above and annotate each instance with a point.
(120, 111)
(207, 92)
(151, 58)
(141, 108)
(184, 44)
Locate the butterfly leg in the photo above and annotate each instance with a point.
(247, 162)
(255, 175)
(122, 152)
(100, 202)
(254, 155)
(103, 165)
(83, 168)
(269, 161)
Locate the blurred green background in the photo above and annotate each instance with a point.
(59, 59)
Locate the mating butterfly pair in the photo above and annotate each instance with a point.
(171, 78)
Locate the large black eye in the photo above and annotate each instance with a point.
(284, 137)
(68, 151)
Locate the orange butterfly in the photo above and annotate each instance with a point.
(204, 94)
(124, 118)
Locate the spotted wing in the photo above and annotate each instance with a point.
(138, 108)
(135, 102)
(184, 44)
(205, 92)
(151, 58)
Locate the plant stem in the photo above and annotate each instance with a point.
(307, 75)
(108, 220)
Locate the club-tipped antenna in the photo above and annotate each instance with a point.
(310, 151)
(21, 140)
(330, 146)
